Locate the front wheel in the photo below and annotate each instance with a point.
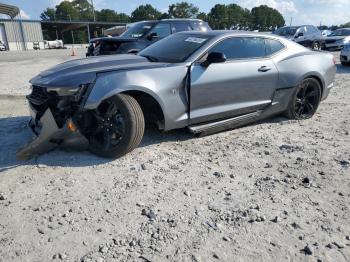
(316, 46)
(119, 127)
(305, 100)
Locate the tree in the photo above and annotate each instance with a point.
(265, 18)
(145, 12)
(48, 14)
(203, 16)
(230, 16)
(108, 15)
(183, 10)
(66, 11)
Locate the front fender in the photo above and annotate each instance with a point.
(165, 85)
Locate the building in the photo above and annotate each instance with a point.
(18, 34)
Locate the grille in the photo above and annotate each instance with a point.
(345, 57)
(38, 96)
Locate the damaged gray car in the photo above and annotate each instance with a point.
(207, 82)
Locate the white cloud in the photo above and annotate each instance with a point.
(24, 15)
(284, 6)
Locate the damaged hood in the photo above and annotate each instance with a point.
(83, 71)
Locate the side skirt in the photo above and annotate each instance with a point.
(214, 127)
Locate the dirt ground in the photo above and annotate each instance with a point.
(274, 191)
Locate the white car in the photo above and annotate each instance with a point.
(345, 55)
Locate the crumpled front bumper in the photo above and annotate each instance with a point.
(49, 135)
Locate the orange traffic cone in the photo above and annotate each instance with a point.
(73, 52)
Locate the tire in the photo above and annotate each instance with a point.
(316, 46)
(119, 127)
(305, 100)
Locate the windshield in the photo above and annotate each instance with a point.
(175, 48)
(284, 31)
(341, 32)
(138, 30)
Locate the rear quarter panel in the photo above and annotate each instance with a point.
(296, 65)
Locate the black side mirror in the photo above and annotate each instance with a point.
(214, 57)
(152, 36)
(299, 35)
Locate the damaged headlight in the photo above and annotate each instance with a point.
(63, 91)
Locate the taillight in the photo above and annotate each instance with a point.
(334, 61)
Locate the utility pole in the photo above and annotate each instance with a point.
(291, 20)
(73, 51)
(93, 10)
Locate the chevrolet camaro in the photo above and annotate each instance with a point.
(204, 81)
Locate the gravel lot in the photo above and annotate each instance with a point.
(274, 191)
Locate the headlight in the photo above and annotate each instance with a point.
(345, 40)
(63, 91)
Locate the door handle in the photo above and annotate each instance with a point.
(264, 69)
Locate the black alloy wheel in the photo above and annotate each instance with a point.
(305, 101)
(118, 127)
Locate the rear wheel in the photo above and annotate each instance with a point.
(119, 127)
(305, 100)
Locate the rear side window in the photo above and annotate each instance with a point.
(200, 26)
(241, 47)
(273, 46)
(162, 30)
(179, 27)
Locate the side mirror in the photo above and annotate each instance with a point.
(214, 57)
(299, 35)
(152, 36)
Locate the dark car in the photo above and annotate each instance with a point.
(306, 35)
(338, 39)
(142, 34)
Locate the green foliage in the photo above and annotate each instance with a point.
(145, 12)
(266, 18)
(203, 16)
(108, 15)
(48, 14)
(183, 10)
(230, 16)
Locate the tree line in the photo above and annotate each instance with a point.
(231, 16)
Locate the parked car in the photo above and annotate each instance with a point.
(143, 34)
(56, 44)
(338, 39)
(345, 55)
(205, 81)
(306, 35)
(2, 46)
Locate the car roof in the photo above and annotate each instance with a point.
(218, 33)
(182, 19)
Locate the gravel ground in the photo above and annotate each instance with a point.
(274, 191)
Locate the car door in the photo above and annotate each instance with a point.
(243, 84)
(303, 38)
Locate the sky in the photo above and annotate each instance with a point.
(316, 12)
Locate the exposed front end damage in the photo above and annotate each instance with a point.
(53, 121)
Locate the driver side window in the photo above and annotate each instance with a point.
(161, 30)
(241, 48)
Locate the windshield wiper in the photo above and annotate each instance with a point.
(151, 58)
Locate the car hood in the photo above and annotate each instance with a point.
(83, 71)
